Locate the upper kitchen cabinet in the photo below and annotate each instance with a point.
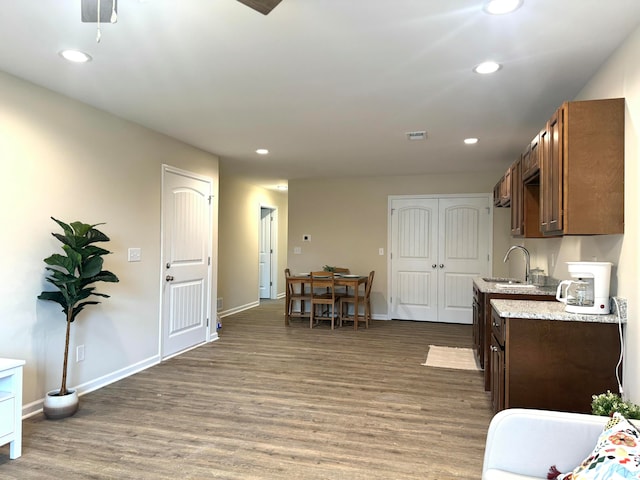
(525, 193)
(517, 206)
(502, 190)
(531, 158)
(582, 169)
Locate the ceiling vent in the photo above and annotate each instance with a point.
(420, 135)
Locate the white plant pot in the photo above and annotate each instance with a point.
(56, 406)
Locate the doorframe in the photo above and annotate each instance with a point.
(390, 198)
(273, 290)
(211, 291)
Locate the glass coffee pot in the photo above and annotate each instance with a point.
(575, 293)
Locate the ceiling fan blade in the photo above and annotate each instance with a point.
(89, 10)
(262, 6)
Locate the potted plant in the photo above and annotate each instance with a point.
(73, 274)
(606, 404)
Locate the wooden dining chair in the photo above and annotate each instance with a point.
(364, 300)
(323, 295)
(295, 296)
(342, 290)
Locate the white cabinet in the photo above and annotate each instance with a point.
(11, 405)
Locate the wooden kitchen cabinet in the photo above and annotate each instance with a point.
(551, 364)
(497, 374)
(525, 191)
(582, 169)
(477, 325)
(502, 190)
(517, 203)
(481, 327)
(531, 158)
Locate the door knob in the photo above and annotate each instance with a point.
(434, 266)
(169, 278)
(442, 265)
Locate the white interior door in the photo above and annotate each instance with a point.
(437, 246)
(414, 252)
(265, 252)
(463, 245)
(186, 235)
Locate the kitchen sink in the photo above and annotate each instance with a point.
(516, 284)
(509, 281)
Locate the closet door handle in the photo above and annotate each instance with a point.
(442, 265)
(169, 278)
(434, 266)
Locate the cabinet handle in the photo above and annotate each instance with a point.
(495, 324)
(494, 348)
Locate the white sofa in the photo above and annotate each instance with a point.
(524, 443)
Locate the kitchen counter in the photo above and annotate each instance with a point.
(491, 287)
(534, 310)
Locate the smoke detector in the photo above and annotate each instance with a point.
(418, 135)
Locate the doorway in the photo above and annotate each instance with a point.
(186, 259)
(267, 253)
(437, 245)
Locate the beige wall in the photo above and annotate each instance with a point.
(64, 159)
(619, 77)
(347, 220)
(240, 203)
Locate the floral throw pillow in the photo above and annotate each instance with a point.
(615, 456)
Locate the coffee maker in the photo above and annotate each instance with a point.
(588, 292)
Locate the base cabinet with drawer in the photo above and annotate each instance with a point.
(551, 364)
(482, 324)
(11, 405)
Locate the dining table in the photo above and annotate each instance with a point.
(352, 282)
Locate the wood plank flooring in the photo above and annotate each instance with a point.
(272, 402)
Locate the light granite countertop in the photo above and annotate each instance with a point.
(555, 311)
(491, 287)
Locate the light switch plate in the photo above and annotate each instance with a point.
(135, 254)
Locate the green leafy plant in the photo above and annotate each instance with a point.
(328, 268)
(73, 273)
(606, 404)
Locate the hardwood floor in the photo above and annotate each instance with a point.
(272, 402)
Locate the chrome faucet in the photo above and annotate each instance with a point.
(527, 261)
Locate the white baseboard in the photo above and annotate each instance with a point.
(36, 407)
(239, 309)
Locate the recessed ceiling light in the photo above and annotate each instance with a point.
(262, 151)
(75, 56)
(487, 67)
(470, 140)
(500, 7)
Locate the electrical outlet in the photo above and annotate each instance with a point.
(297, 250)
(80, 353)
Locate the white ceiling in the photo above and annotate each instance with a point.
(330, 87)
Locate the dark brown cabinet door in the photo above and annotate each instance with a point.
(552, 176)
(517, 205)
(478, 325)
(497, 375)
(531, 159)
